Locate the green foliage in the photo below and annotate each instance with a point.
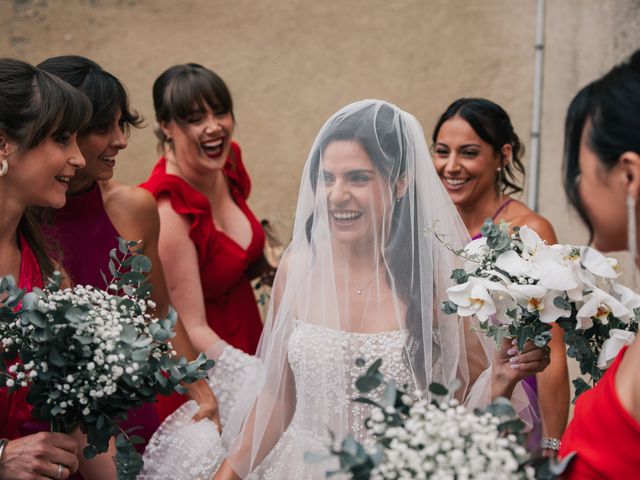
(395, 404)
(44, 331)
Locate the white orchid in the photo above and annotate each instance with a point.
(596, 263)
(627, 297)
(475, 251)
(515, 265)
(599, 304)
(473, 297)
(612, 346)
(536, 298)
(531, 241)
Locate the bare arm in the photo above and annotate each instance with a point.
(134, 213)
(553, 383)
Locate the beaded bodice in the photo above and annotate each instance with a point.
(323, 361)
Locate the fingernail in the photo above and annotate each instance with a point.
(514, 341)
(512, 351)
(514, 360)
(515, 365)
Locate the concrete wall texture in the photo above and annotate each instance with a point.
(292, 63)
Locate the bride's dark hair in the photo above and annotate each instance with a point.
(380, 130)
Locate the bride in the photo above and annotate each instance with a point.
(363, 277)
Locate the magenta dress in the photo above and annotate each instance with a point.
(86, 236)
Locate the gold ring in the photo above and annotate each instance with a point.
(60, 471)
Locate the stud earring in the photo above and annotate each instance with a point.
(4, 167)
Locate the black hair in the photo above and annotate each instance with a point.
(382, 135)
(35, 105)
(612, 105)
(493, 125)
(182, 89)
(105, 91)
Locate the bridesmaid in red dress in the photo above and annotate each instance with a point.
(602, 161)
(99, 209)
(38, 156)
(210, 242)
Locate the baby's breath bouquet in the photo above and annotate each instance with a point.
(88, 356)
(516, 286)
(430, 435)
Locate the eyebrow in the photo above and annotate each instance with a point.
(351, 172)
(461, 146)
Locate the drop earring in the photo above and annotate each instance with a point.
(632, 245)
(4, 167)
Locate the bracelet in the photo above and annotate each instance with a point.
(3, 443)
(550, 443)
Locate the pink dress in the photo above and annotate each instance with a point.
(86, 236)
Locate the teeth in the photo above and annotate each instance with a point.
(346, 215)
(456, 181)
(64, 179)
(213, 144)
(108, 159)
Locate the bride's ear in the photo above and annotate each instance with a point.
(401, 186)
(630, 162)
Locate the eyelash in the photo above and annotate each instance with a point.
(63, 138)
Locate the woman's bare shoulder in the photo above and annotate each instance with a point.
(518, 214)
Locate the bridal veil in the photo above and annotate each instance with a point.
(363, 261)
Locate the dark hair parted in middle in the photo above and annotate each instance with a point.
(611, 104)
(493, 125)
(184, 89)
(105, 91)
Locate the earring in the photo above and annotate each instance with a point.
(632, 245)
(499, 180)
(4, 167)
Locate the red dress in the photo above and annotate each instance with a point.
(15, 412)
(230, 304)
(604, 435)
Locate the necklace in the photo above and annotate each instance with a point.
(359, 290)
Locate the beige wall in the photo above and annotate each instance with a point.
(291, 63)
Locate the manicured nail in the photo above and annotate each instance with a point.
(514, 341)
(514, 360)
(515, 365)
(512, 351)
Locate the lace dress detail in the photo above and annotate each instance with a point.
(307, 432)
(185, 450)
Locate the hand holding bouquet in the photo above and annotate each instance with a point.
(88, 355)
(516, 286)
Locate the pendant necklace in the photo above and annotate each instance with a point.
(359, 290)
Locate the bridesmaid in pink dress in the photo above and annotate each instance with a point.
(99, 209)
(38, 156)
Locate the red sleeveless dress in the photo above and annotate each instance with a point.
(604, 435)
(230, 304)
(15, 412)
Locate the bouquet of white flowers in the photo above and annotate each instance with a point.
(88, 355)
(412, 437)
(516, 285)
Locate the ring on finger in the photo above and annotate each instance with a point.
(60, 471)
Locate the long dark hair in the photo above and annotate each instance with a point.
(181, 89)
(612, 104)
(106, 93)
(35, 105)
(381, 134)
(492, 124)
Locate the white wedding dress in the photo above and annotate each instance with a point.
(182, 449)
